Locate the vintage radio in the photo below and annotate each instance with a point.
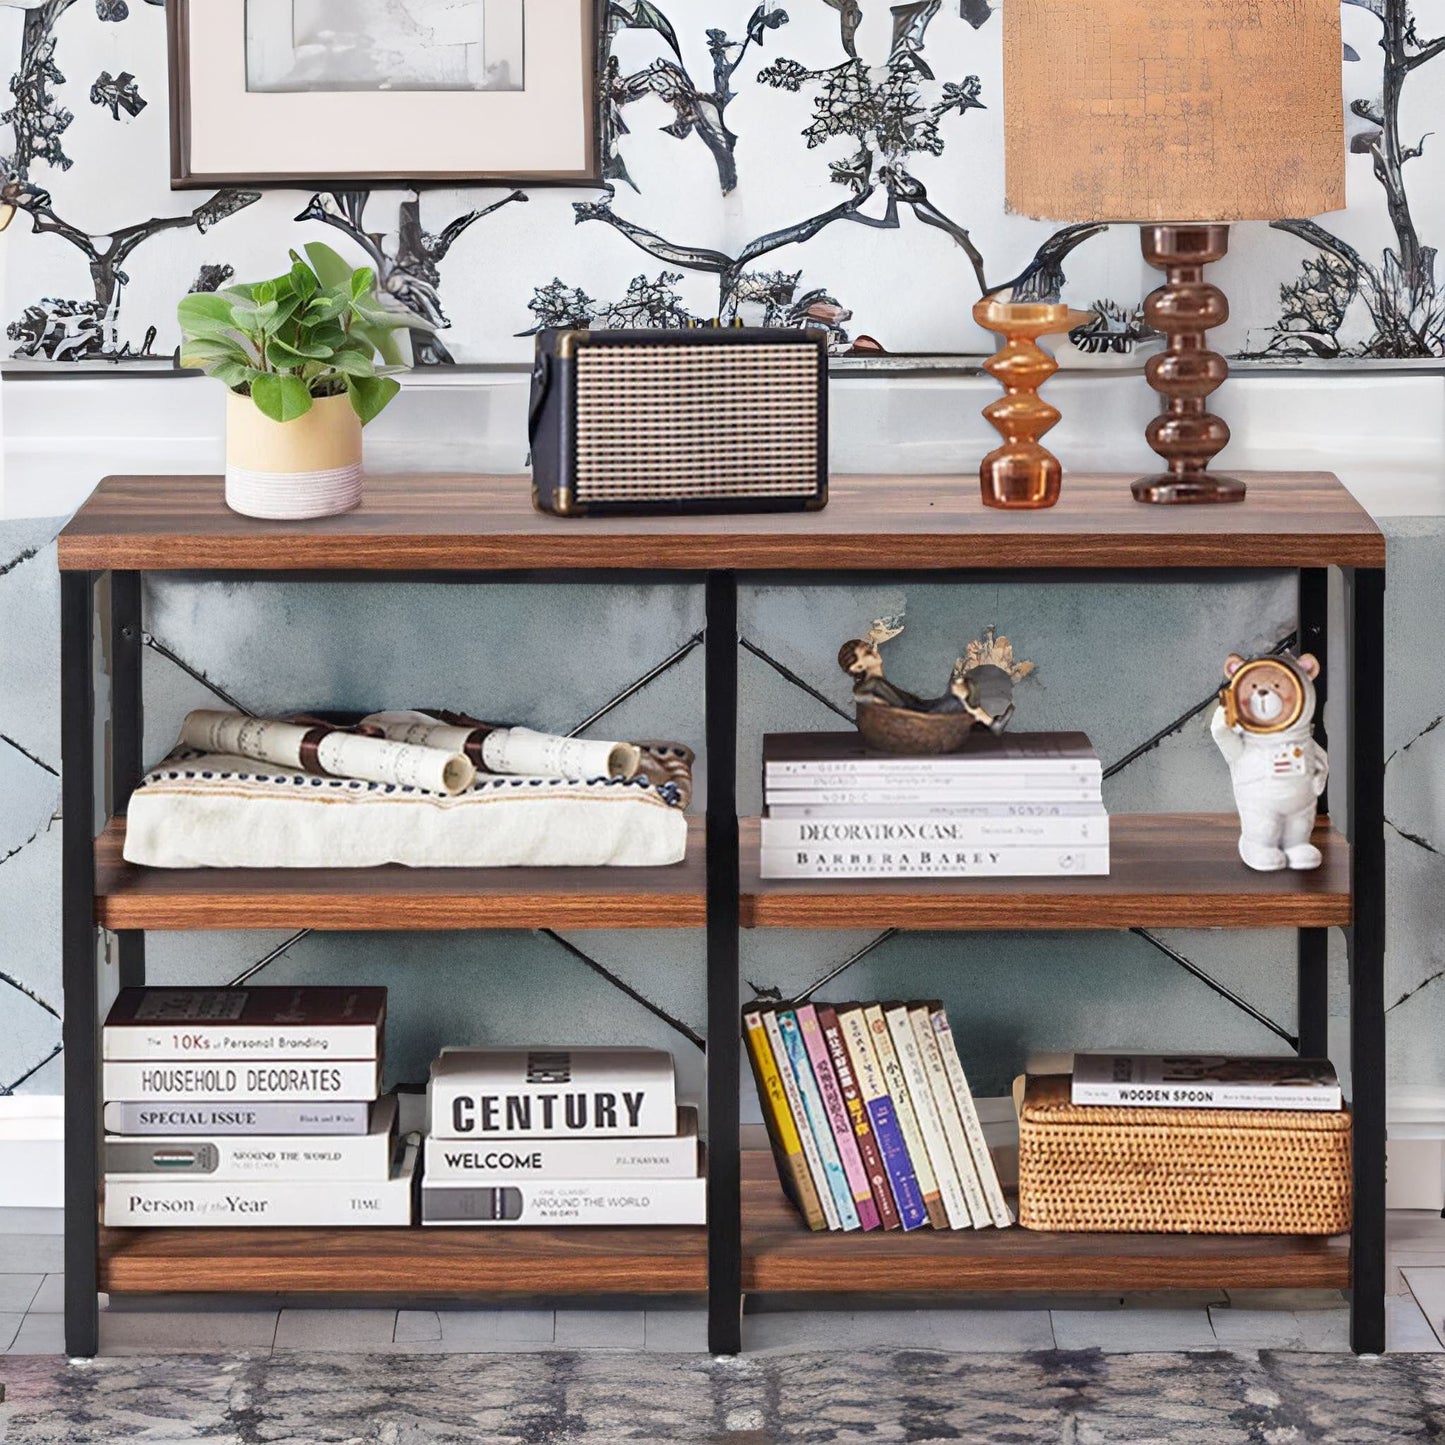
(713, 419)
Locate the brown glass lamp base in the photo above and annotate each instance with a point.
(1204, 488)
(1185, 433)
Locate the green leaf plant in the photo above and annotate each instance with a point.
(320, 330)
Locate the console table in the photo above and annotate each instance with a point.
(1178, 871)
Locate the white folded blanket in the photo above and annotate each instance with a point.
(199, 810)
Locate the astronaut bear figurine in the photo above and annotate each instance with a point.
(1262, 726)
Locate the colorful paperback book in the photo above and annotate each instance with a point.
(548, 1093)
(816, 1118)
(911, 832)
(245, 1023)
(290, 1157)
(920, 1095)
(897, 1085)
(921, 1021)
(248, 1203)
(793, 1171)
(868, 1150)
(249, 1116)
(1205, 1081)
(513, 1161)
(902, 1178)
(934, 860)
(562, 1201)
(837, 1112)
(809, 1145)
(998, 1208)
(291, 1082)
(823, 755)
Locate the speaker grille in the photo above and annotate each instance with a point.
(678, 421)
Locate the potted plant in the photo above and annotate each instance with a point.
(308, 359)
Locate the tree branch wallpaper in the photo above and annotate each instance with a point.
(828, 163)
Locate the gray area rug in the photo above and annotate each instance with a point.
(1082, 1398)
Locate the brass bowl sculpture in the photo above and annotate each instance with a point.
(1021, 473)
(902, 730)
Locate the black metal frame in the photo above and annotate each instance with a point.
(1365, 619)
(1365, 608)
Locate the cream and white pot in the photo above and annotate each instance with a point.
(289, 470)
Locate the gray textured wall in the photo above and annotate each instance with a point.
(1121, 660)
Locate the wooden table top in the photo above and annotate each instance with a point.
(872, 523)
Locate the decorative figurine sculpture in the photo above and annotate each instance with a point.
(1263, 727)
(1022, 472)
(980, 694)
(863, 662)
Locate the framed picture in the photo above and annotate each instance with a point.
(304, 92)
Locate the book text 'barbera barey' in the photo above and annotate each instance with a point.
(509, 1114)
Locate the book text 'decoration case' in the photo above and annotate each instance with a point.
(1168, 870)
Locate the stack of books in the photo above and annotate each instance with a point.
(559, 1136)
(1205, 1081)
(870, 1116)
(1020, 805)
(251, 1106)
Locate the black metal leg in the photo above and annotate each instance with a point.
(1313, 991)
(126, 733)
(1366, 590)
(724, 1182)
(79, 1031)
(1313, 981)
(1314, 638)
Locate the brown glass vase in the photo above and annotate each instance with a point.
(1022, 473)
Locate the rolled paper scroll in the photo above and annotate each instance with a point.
(424, 731)
(328, 751)
(544, 755)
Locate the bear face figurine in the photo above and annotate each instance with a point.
(1262, 726)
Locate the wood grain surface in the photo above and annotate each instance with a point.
(779, 1254)
(1176, 870)
(416, 1262)
(1168, 870)
(880, 523)
(397, 897)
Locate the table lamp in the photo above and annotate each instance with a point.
(1182, 117)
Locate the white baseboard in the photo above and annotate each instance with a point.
(32, 1151)
(1415, 1153)
(1415, 1174)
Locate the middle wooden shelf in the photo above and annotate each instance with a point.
(1169, 870)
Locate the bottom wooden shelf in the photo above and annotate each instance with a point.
(779, 1256)
(436, 1263)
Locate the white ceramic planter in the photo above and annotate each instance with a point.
(286, 471)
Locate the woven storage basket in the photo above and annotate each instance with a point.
(1179, 1171)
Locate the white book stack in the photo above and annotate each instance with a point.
(251, 1106)
(1020, 805)
(549, 1136)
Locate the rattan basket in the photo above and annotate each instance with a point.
(1179, 1171)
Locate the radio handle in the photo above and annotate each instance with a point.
(541, 380)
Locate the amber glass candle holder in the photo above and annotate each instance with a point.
(1021, 472)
